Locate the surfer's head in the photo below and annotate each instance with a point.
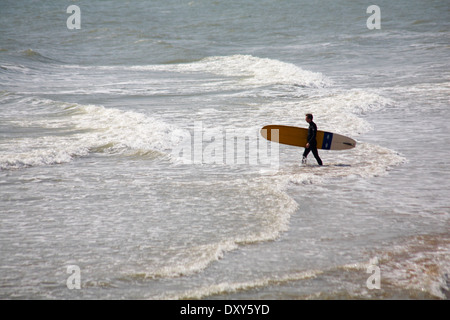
(309, 117)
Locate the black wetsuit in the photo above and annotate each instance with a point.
(312, 132)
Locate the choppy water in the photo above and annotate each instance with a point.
(97, 169)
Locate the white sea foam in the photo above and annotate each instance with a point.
(272, 217)
(258, 71)
(86, 128)
(335, 110)
(421, 263)
(191, 260)
(249, 69)
(233, 287)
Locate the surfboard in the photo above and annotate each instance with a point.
(295, 136)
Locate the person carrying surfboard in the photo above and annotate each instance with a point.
(311, 144)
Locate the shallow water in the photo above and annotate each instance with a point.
(128, 149)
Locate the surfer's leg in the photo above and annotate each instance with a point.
(305, 155)
(316, 155)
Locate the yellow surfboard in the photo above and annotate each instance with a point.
(295, 136)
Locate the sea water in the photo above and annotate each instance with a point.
(132, 165)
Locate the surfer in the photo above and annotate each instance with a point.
(311, 144)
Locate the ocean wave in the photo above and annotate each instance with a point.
(265, 221)
(189, 261)
(415, 268)
(33, 55)
(75, 130)
(417, 264)
(248, 70)
(25, 65)
(420, 263)
(257, 71)
(234, 287)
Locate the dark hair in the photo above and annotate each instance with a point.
(309, 116)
